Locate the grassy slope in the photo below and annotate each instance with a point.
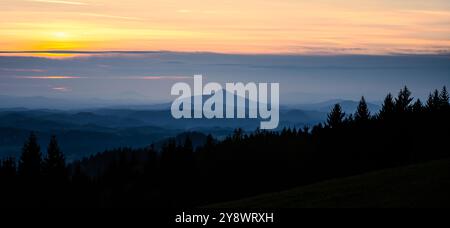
(424, 185)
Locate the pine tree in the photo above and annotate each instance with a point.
(306, 129)
(207, 151)
(317, 129)
(433, 102)
(210, 142)
(188, 147)
(151, 160)
(79, 178)
(8, 168)
(168, 154)
(444, 98)
(430, 104)
(31, 158)
(238, 134)
(362, 113)
(349, 119)
(336, 117)
(54, 164)
(403, 101)
(417, 106)
(388, 107)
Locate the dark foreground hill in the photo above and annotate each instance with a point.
(423, 185)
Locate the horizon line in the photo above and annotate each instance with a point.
(75, 52)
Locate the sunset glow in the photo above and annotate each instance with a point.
(48, 77)
(251, 26)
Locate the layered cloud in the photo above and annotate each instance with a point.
(252, 26)
(302, 78)
(58, 2)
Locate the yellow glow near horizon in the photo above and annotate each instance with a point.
(60, 35)
(247, 26)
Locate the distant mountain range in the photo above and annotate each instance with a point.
(39, 102)
(86, 131)
(348, 106)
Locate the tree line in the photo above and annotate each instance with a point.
(404, 131)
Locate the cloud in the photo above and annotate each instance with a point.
(66, 54)
(23, 70)
(184, 11)
(429, 12)
(111, 16)
(82, 52)
(59, 2)
(58, 77)
(156, 78)
(53, 77)
(61, 89)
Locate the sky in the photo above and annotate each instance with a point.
(148, 77)
(137, 49)
(227, 26)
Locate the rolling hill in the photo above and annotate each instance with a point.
(424, 185)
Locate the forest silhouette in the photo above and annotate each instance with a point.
(405, 131)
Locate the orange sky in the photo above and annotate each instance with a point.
(230, 26)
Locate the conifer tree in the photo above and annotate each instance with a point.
(31, 159)
(388, 107)
(362, 113)
(336, 117)
(403, 101)
(78, 176)
(417, 106)
(187, 150)
(209, 141)
(433, 102)
(169, 154)
(54, 164)
(444, 98)
(238, 134)
(188, 147)
(8, 167)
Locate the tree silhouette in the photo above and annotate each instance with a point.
(207, 151)
(31, 158)
(362, 113)
(78, 175)
(388, 108)
(187, 153)
(403, 101)
(54, 165)
(444, 98)
(188, 144)
(417, 106)
(169, 154)
(434, 100)
(238, 134)
(335, 118)
(152, 157)
(209, 141)
(8, 168)
(349, 119)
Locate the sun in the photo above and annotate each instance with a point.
(60, 35)
(56, 40)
